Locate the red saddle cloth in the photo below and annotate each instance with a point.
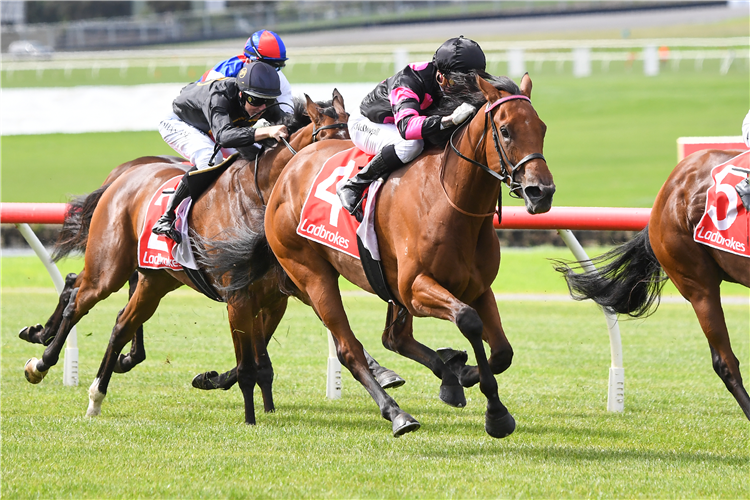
(725, 224)
(155, 250)
(323, 219)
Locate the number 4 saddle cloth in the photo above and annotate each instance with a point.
(325, 221)
(725, 224)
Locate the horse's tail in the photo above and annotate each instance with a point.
(75, 231)
(240, 258)
(629, 278)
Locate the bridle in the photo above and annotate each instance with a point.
(508, 170)
(315, 133)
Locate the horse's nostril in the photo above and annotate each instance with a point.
(533, 192)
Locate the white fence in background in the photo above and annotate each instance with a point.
(519, 56)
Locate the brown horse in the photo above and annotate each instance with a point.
(113, 215)
(630, 277)
(438, 246)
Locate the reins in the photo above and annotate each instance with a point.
(508, 169)
(315, 133)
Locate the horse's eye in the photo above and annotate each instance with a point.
(504, 131)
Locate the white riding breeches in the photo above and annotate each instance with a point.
(371, 137)
(190, 142)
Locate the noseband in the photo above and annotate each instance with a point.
(507, 168)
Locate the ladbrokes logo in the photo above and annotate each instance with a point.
(715, 237)
(322, 233)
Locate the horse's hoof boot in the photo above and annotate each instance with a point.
(499, 427)
(389, 379)
(404, 423)
(453, 395)
(27, 333)
(448, 355)
(33, 375)
(203, 381)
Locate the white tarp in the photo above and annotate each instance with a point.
(28, 111)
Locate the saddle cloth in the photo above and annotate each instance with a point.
(325, 221)
(725, 224)
(155, 251)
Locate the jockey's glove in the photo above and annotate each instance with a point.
(459, 115)
(262, 123)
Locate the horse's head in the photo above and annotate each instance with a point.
(328, 122)
(515, 151)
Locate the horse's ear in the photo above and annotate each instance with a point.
(489, 91)
(313, 111)
(338, 102)
(526, 85)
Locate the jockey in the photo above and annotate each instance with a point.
(394, 124)
(263, 45)
(220, 114)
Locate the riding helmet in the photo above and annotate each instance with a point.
(266, 46)
(258, 79)
(459, 55)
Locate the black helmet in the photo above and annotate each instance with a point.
(460, 55)
(259, 79)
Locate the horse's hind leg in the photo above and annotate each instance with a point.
(725, 363)
(152, 286)
(398, 337)
(38, 334)
(696, 275)
(137, 354)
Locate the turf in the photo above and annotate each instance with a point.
(681, 434)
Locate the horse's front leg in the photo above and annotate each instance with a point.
(398, 337)
(137, 354)
(432, 299)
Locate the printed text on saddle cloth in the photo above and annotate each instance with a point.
(155, 251)
(725, 225)
(323, 219)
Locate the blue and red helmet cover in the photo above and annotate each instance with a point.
(266, 46)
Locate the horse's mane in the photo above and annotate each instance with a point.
(299, 118)
(466, 89)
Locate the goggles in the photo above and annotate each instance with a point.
(258, 101)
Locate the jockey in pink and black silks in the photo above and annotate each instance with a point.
(396, 116)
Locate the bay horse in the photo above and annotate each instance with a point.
(439, 250)
(106, 225)
(631, 276)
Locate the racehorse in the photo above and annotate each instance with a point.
(630, 277)
(439, 250)
(113, 215)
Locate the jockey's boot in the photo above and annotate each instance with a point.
(350, 192)
(165, 224)
(743, 189)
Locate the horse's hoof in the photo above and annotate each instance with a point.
(450, 356)
(203, 381)
(499, 427)
(404, 423)
(93, 412)
(32, 374)
(388, 379)
(28, 333)
(95, 400)
(453, 395)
